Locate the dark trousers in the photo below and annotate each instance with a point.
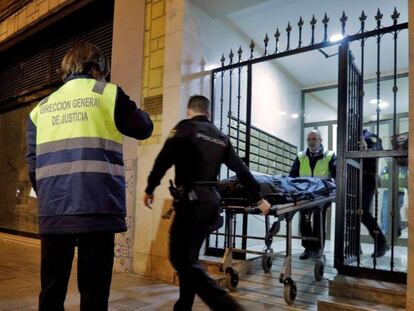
(307, 229)
(95, 261)
(368, 192)
(188, 231)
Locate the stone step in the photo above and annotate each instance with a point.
(332, 303)
(213, 264)
(369, 290)
(220, 278)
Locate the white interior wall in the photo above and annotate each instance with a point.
(276, 102)
(276, 95)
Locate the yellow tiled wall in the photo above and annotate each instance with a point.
(28, 15)
(154, 62)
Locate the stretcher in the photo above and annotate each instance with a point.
(281, 212)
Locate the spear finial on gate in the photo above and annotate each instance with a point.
(231, 55)
(251, 46)
(378, 18)
(313, 23)
(343, 20)
(395, 15)
(325, 27)
(362, 19)
(223, 59)
(266, 42)
(277, 35)
(300, 24)
(240, 51)
(288, 30)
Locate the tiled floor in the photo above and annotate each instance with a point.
(19, 284)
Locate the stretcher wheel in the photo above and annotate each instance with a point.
(289, 293)
(267, 262)
(232, 279)
(319, 270)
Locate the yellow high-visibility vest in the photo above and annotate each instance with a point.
(73, 111)
(321, 168)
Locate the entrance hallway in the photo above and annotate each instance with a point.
(19, 284)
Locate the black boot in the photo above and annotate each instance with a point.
(382, 245)
(306, 254)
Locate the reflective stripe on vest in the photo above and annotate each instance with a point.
(83, 166)
(321, 168)
(81, 142)
(78, 115)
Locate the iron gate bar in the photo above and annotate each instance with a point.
(395, 170)
(212, 106)
(239, 52)
(360, 125)
(362, 19)
(313, 23)
(367, 80)
(221, 94)
(342, 145)
(375, 154)
(300, 24)
(321, 45)
(229, 112)
(378, 18)
(248, 133)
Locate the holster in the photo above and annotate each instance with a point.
(182, 194)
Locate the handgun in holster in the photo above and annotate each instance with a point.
(176, 192)
(179, 194)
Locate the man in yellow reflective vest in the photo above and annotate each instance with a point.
(74, 153)
(315, 161)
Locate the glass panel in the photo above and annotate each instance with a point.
(386, 99)
(321, 105)
(334, 137)
(403, 125)
(324, 134)
(381, 209)
(17, 210)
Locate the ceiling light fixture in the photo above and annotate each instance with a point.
(336, 37)
(382, 104)
(295, 115)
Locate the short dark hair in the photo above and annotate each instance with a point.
(199, 104)
(82, 58)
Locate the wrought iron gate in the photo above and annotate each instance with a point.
(353, 157)
(231, 96)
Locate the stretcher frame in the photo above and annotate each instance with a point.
(282, 212)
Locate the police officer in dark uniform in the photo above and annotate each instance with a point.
(197, 149)
(369, 182)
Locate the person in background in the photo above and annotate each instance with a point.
(315, 161)
(369, 184)
(385, 210)
(74, 154)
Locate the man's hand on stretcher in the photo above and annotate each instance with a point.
(264, 206)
